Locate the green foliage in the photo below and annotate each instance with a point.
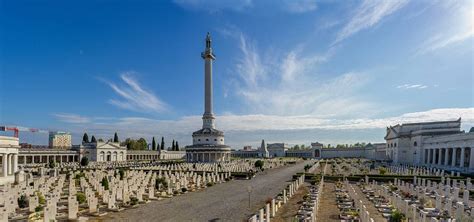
(116, 139)
(22, 201)
(177, 146)
(173, 147)
(38, 208)
(162, 143)
(161, 181)
(79, 175)
(105, 183)
(139, 144)
(133, 201)
(51, 164)
(41, 199)
(84, 161)
(306, 167)
(153, 144)
(80, 197)
(396, 216)
(85, 138)
(209, 184)
(121, 173)
(382, 171)
(259, 164)
(93, 140)
(184, 190)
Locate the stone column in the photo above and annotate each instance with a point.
(9, 164)
(446, 157)
(433, 156)
(15, 163)
(4, 162)
(453, 158)
(471, 158)
(24, 159)
(461, 163)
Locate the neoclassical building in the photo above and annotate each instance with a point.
(208, 142)
(9, 156)
(439, 144)
(102, 151)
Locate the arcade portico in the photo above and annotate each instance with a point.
(9, 156)
(453, 152)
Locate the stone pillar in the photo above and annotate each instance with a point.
(433, 156)
(446, 157)
(5, 166)
(471, 158)
(461, 163)
(453, 158)
(15, 163)
(9, 164)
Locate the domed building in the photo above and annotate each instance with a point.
(208, 142)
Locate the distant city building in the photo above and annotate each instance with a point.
(248, 148)
(59, 139)
(208, 142)
(277, 149)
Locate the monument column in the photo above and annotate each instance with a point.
(4, 163)
(446, 157)
(453, 157)
(208, 56)
(461, 163)
(471, 158)
(15, 163)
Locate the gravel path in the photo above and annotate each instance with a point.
(222, 202)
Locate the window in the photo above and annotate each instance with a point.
(395, 145)
(415, 144)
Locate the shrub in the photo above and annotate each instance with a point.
(84, 161)
(161, 181)
(38, 208)
(133, 201)
(259, 164)
(51, 164)
(41, 199)
(306, 167)
(81, 197)
(396, 216)
(22, 201)
(184, 190)
(209, 184)
(175, 192)
(121, 173)
(105, 183)
(382, 170)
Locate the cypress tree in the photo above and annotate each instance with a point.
(153, 144)
(116, 139)
(93, 140)
(172, 146)
(85, 138)
(177, 146)
(162, 143)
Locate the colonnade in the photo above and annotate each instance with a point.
(143, 156)
(208, 156)
(449, 158)
(46, 158)
(9, 164)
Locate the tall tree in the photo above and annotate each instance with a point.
(172, 146)
(177, 146)
(153, 144)
(141, 144)
(85, 138)
(162, 143)
(116, 139)
(93, 140)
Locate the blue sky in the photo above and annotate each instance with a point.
(286, 71)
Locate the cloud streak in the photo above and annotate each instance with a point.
(134, 97)
(368, 14)
(71, 118)
(412, 86)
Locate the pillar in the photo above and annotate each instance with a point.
(433, 156)
(15, 163)
(24, 159)
(453, 158)
(4, 163)
(461, 163)
(471, 158)
(9, 164)
(446, 156)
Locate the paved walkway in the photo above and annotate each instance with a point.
(222, 202)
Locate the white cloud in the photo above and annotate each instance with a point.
(456, 27)
(252, 127)
(71, 118)
(289, 84)
(412, 86)
(368, 14)
(300, 6)
(213, 6)
(134, 96)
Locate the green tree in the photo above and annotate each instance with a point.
(85, 138)
(396, 216)
(173, 147)
(51, 164)
(296, 147)
(93, 140)
(153, 144)
(177, 146)
(116, 139)
(105, 183)
(81, 197)
(100, 140)
(259, 164)
(141, 144)
(22, 201)
(84, 161)
(162, 143)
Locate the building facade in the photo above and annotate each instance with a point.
(102, 151)
(59, 139)
(208, 142)
(9, 157)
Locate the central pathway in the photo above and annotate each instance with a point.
(222, 202)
